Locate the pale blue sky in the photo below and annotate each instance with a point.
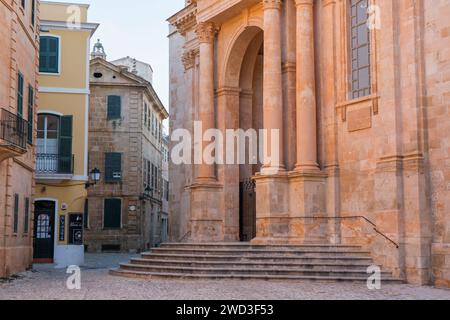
(136, 28)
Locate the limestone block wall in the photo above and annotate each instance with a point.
(19, 53)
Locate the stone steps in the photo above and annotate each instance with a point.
(245, 261)
(261, 252)
(253, 264)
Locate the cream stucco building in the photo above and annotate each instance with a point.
(62, 132)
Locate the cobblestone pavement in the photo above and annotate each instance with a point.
(45, 282)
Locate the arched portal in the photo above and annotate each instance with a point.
(244, 71)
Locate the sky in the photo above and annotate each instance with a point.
(136, 28)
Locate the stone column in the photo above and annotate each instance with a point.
(307, 183)
(205, 33)
(273, 90)
(207, 212)
(272, 185)
(306, 92)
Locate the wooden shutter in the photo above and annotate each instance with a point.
(16, 213)
(114, 107)
(30, 113)
(27, 216)
(65, 145)
(20, 94)
(113, 166)
(49, 55)
(112, 214)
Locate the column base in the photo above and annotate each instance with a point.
(307, 207)
(272, 206)
(207, 218)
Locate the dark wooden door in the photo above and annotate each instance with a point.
(44, 231)
(247, 217)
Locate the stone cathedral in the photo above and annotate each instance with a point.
(360, 93)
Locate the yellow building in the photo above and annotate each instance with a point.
(62, 132)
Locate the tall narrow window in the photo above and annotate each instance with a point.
(49, 55)
(114, 107)
(16, 214)
(26, 216)
(33, 12)
(113, 167)
(20, 95)
(360, 49)
(30, 113)
(112, 214)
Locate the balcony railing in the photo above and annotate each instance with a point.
(13, 129)
(52, 164)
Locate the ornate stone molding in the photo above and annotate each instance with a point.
(272, 4)
(189, 57)
(185, 19)
(299, 3)
(205, 32)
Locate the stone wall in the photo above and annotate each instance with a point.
(19, 53)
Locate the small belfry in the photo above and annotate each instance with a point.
(98, 51)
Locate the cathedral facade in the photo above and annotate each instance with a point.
(359, 92)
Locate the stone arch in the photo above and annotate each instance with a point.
(240, 43)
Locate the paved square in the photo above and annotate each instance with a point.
(45, 282)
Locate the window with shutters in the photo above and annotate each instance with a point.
(114, 107)
(86, 214)
(112, 214)
(54, 144)
(33, 12)
(145, 114)
(49, 54)
(360, 55)
(113, 167)
(30, 114)
(20, 95)
(26, 218)
(16, 214)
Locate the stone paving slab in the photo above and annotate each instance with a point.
(45, 282)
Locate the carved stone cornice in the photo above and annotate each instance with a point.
(189, 57)
(272, 4)
(185, 19)
(205, 32)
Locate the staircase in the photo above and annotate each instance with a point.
(246, 261)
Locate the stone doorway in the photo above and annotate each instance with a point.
(250, 115)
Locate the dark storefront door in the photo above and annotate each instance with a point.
(247, 210)
(44, 231)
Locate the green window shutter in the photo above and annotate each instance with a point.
(112, 214)
(114, 107)
(20, 95)
(65, 145)
(86, 214)
(33, 12)
(16, 213)
(113, 167)
(49, 55)
(27, 216)
(30, 113)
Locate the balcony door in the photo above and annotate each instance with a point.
(54, 145)
(47, 143)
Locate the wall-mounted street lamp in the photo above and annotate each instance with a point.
(95, 178)
(147, 193)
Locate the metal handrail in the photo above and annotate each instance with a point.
(13, 129)
(375, 228)
(54, 164)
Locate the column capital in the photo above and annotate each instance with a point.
(272, 4)
(205, 32)
(299, 3)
